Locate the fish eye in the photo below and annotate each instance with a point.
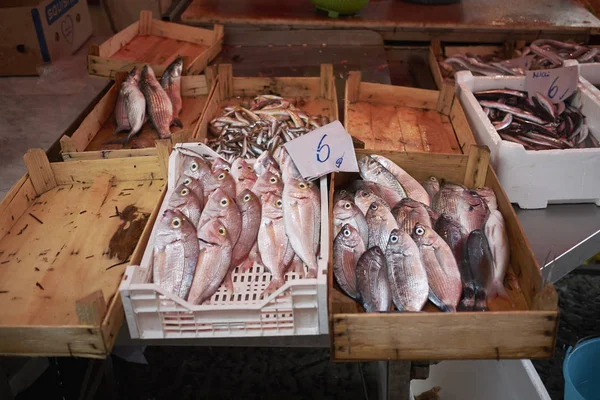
(249, 167)
(347, 206)
(176, 222)
(224, 202)
(394, 239)
(221, 176)
(433, 179)
(343, 192)
(273, 179)
(247, 197)
(227, 169)
(187, 181)
(419, 230)
(302, 185)
(279, 203)
(347, 232)
(222, 231)
(194, 166)
(373, 206)
(184, 192)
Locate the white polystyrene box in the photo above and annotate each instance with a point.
(532, 179)
(299, 307)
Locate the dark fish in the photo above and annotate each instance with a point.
(160, 108)
(171, 82)
(372, 281)
(347, 249)
(479, 259)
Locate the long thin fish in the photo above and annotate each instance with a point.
(495, 233)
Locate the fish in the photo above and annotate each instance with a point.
(346, 212)
(495, 233)
(266, 162)
(380, 223)
(273, 243)
(196, 167)
(372, 281)
(268, 182)
(214, 261)
(371, 170)
(175, 253)
(417, 211)
(250, 210)
(131, 101)
(463, 204)
(288, 167)
(159, 106)
(390, 196)
(363, 200)
(302, 218)
(456, 235)
(219, 179)
(343, 194)
(243, 174)
(431, 186)
(417, 216)
(348, 246)
(443, 275)
(488, 195)
(411, 186)
(220, 165)
(171, 83)
(222, 207)
(406, 274)
(185, 201)
(195, 186)
(479, 259)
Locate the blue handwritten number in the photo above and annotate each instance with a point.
(553, 89)
(320, 147)
(339, 161)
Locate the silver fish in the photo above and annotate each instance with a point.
(268, 182)
(132, 99)
(373, 171)
(220, 165)
(413, 188)
(479, 258)
(216, 180)
(214, 261)
(175, 253)
(390, 196)
(431, 185)
(346, 212)
(372, 281)
(495, 233)
(222, 207)
(160, 108)
(363, 200)
(183, 200)
(195, 186)
(347, 249)
(243, 174)
(171, 82)
(406, 273)
(133, 78)
(380, 223)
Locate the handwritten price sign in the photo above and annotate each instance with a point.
(326, 149)
(556, 84)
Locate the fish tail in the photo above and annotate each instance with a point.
(438, 302)
(481, 300)
(177, 122)
(120, 128)
(275, 284)
(228, 282)
(498, 290)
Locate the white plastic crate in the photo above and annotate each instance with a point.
(489, 380)
(299, 307)
(532, 178)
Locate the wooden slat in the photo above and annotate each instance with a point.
(199, 63)
(182, 32)
(104, 154)
(107, 67)
(327, 82)
(445, 98)
(118, 41)
(194, 86)
(461, 126)
(91, 309)
(125, 169)
(39, 170)
(435, 51)
(477, 167)
(39, 341)
(210, 111)
(436, 132)
(401, 96)
(163, 150)
(358, 122)
(145, 22)
(353, 86)
(287, 86)
(67, 145)
(225, 81)
(218, 33)
(387, 133)
(15, 203)
(408, 118)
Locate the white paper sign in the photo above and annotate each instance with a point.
(326, 149)
(556, 84)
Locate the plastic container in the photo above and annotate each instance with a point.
(335, 8)
(581, 369)
(489, 380)
(535, 178)
(299, 307)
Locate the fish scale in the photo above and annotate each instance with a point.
(160, 108)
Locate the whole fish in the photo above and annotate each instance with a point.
(160, 109)
(268, 182)
(431, 185)
(183, 200)
(372, 281)
(196, 167)
(495, 233)
(133, 102)
(417, 211)
(406, 273)
(443, 275)
(347, 249)
(273, 243)
(463, 204)
(195, 186)
(479, 259)
(266, 162)
(417, 216)
(171, 82)
(221, 206)
(243, 174)
(390, 196)
(455, 235)
(175, 253)
(363, 200)
(302, 218)
(220, 165)
(380, 223)
(288, 167)
(343, 194)
(488, 195)
(216, 180)
(346, 212)
(413, 188)
(250, 210)
(373, 171)
(214, 261)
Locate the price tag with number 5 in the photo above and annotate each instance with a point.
(557, 84)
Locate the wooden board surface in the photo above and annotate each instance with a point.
(58, 250)
(158, 50)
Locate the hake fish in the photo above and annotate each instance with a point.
(443, 275)
(222, 207)
(214, 261)
(302, 218)
(372, 170)
(183, 200)
(346, 212)
(160, 108)
(372, 281)
(406, 273)
(171, 82)
(479, 258)
(243, 174)
(380, 223)
(413, 188)
(347, 249)
(495, 233)
(175, 253)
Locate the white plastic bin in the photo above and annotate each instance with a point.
(532, 178)
(487, 379)
(299, 307)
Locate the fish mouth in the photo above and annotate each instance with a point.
(207, 242)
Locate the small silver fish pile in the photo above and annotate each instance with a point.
(224, 216)
(247, 130)
(141, 97)
(541, 54)
(536, 123)
(403, 242)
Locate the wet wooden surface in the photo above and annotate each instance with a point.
(158, 50)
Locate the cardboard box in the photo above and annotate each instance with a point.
(36, 32)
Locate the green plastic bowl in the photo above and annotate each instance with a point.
(336, 8)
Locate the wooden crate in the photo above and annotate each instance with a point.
(88, 142)
(397, 118)
(527, 330)
(59, 283)
(316, 96)
(158, 43)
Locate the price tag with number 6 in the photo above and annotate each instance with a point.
(556, 84)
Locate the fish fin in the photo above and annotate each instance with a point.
(246, 265)
(120, 128)
(228, 282)
(437, 302)
(467, 301)
(275, 284)
(312, 273)
(480, 300)
(177, 122)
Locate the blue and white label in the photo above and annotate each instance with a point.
(326, 149)
(556, 84)
(57, 9)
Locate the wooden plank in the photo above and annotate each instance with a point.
(437, 132)
(197, 65)
(358, 122)
(353, 86)
(218, 33)
(387, 133)
(107, 67)
(91, 309)
(125, 169)
(117, 41)
(39, 170)
(163, 150)
(376, 93)
(210, 111)
(225, 81)
(477, 167)
(287, 86)
(183, 32)
(145, 22)
(461, 126)
(408, 119)
(39, 341)
(194, 86)
(15, 203)
(445, 98)
(104, 154)
(67, 145)
(327, 82)
(158, 50)
(444, 336)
